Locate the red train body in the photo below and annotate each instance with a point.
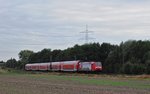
(65, 66)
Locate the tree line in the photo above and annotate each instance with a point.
(130, 57)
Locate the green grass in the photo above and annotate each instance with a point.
(132, 83)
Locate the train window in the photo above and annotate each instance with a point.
(98, 63)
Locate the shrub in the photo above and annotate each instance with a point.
(148, 67)
(130, 68)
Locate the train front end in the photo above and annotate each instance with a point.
(96, 66)
(90, 66)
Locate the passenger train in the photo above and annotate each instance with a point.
(73, 66)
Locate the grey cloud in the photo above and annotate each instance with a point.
(38, 24)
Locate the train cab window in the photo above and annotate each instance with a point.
(98, 63)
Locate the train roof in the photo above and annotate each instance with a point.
(53, 62)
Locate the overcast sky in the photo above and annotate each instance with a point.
(56, 24)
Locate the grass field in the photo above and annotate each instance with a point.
(64, 83)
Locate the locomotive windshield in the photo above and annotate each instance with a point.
(98, 63)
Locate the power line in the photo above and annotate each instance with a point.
(87, 38)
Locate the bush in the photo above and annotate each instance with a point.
(127, 68)
(138, 69)
(130, 68)
(148, 67)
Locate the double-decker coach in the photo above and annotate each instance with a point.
(73, 66)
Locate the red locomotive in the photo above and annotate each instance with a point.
(65, 66)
